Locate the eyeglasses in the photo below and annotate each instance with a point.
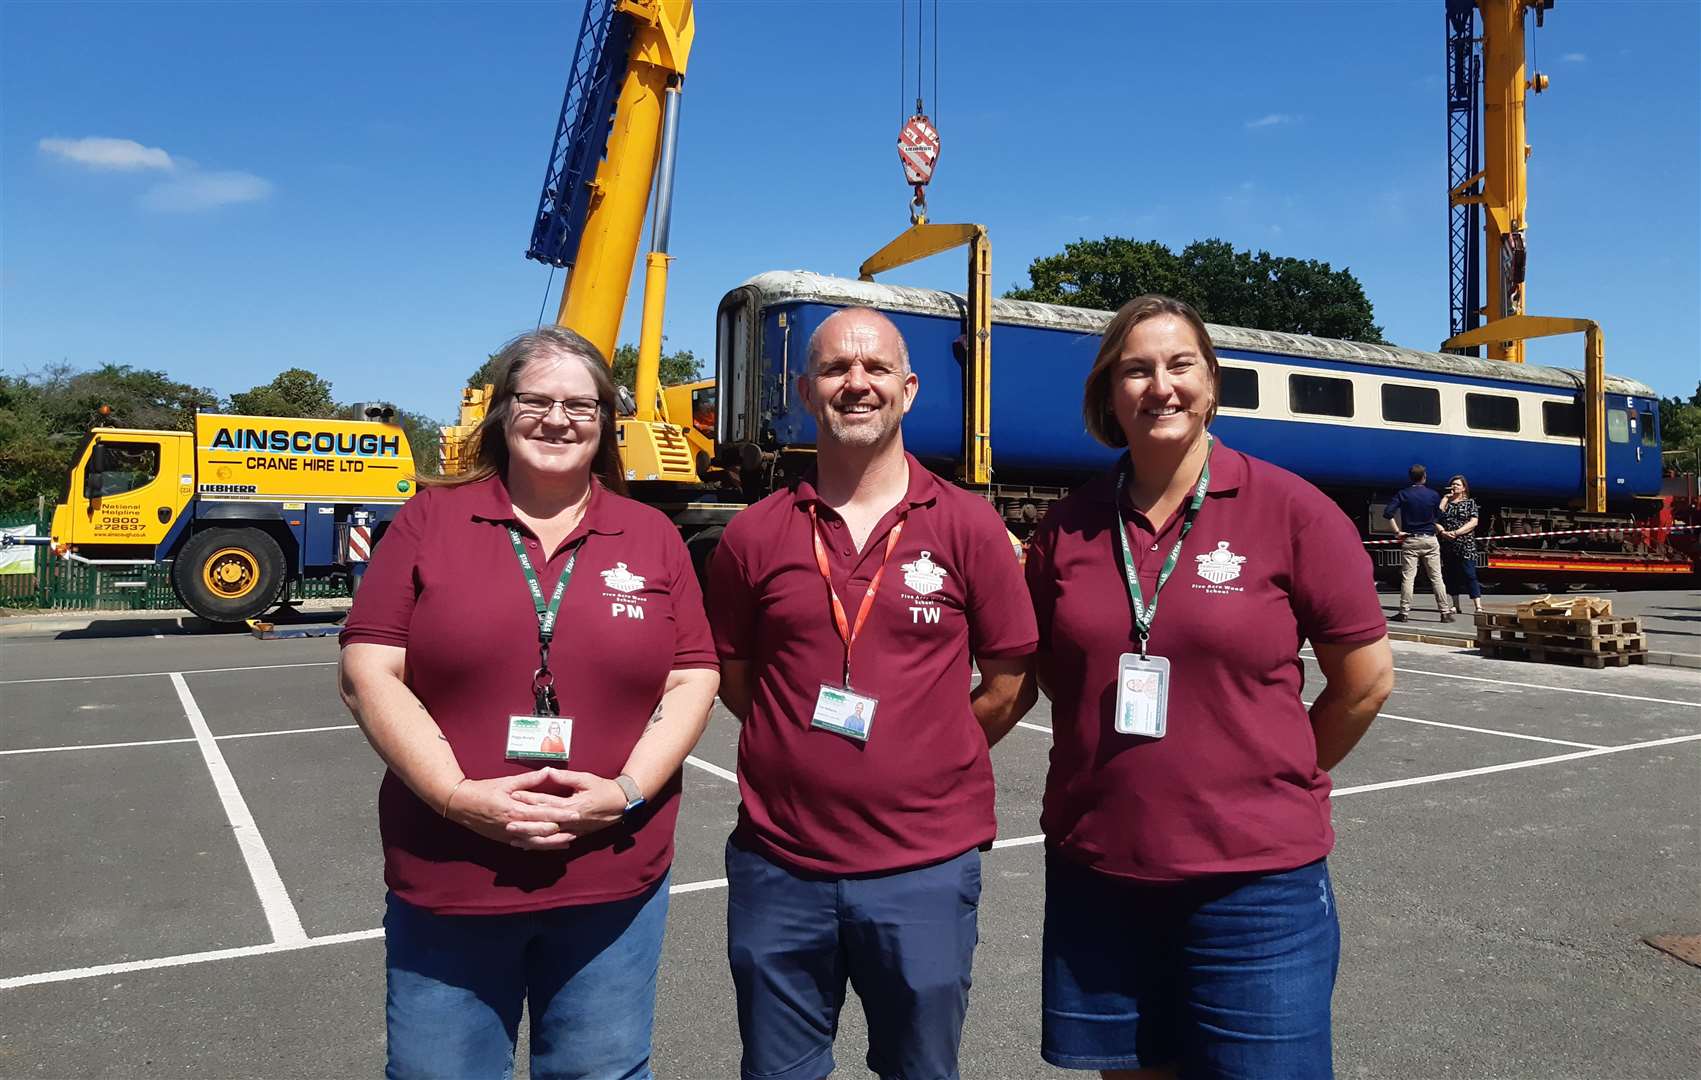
(538, 406)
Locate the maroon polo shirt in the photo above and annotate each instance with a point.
(920, 789)
(1234, 785)
(445, 585)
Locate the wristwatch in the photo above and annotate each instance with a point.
(634, 798)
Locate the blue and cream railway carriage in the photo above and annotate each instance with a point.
(1349, 417)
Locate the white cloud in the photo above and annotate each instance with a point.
(114, 155)
(205, 191)
(1274, 119)
(1575, 57)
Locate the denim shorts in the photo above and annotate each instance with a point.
(456, 984)
(1227, 977)
(904, 940)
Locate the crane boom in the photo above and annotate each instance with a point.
(614, 111)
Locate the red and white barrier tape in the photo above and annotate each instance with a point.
(1565, 532)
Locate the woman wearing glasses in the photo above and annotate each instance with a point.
(1189, 919)
(529, 656)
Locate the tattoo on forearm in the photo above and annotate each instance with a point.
(655, 717)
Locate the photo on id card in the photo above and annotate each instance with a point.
(539, 738)
(1142, 695)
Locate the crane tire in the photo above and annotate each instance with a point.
(229, 575)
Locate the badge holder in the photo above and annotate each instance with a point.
(841, 710)
(1142, 695)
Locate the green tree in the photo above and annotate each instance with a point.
(485, 374)
(676, 367)
(295, 392)
(1680, 426)
(44, 415)
(1226, 286)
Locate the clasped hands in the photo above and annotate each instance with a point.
(513, 810)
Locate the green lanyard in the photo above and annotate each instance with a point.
(543, 680)
(1143, 614)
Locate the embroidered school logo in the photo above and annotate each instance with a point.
(1219, 566)
(622, 580)
(924, 576)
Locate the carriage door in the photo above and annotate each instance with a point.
(1624, 443)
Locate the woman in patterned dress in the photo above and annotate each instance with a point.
(1456, 526)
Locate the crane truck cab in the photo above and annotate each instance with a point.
(240, 508)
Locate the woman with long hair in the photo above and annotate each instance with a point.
(1190, 921)
(529, 656)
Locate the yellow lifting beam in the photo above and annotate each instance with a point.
(1520, 328)
(918, 242)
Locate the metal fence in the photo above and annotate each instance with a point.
(62, 583)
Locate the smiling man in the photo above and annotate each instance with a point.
(845, 610)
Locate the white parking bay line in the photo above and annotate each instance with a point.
(1433, 778)
(92, 746)
(281, 916)
(698, 886)
(1491, 731)
(17, 982)
(184, 959)
(1033, 727)
(155, 674)
(1534, 686)
(712, 770)
(168, 742)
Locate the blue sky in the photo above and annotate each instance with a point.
(349, 187)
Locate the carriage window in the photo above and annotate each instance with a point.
(1240, 388)
(1618, 425)
(1411, 404)
(1491, 412)
(1650, 437)
(1562, 419)
(1319, 396)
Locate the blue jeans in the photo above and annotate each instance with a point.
(904, 940)
(1224, 978)
(456, 984)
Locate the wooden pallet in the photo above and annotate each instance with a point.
(1577, 626)
(1557, 654)
(1601, 643)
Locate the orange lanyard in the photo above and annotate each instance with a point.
(847, 630)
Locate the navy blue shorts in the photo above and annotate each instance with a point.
(904, 940)
(1228, 977)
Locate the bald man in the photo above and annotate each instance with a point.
(846, 611)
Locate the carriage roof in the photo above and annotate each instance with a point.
(781, 286)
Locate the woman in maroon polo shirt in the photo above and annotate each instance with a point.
(534, 720)
(1189, 921)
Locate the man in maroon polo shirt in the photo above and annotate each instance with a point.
(845, 611)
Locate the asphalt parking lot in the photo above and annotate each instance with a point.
(191, 879)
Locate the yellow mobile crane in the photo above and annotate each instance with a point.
(615, 143)
(1488, 174)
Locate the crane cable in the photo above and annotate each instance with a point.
(918, 136)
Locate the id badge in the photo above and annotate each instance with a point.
(1142, 695)
(539, 738)
(844, 711)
